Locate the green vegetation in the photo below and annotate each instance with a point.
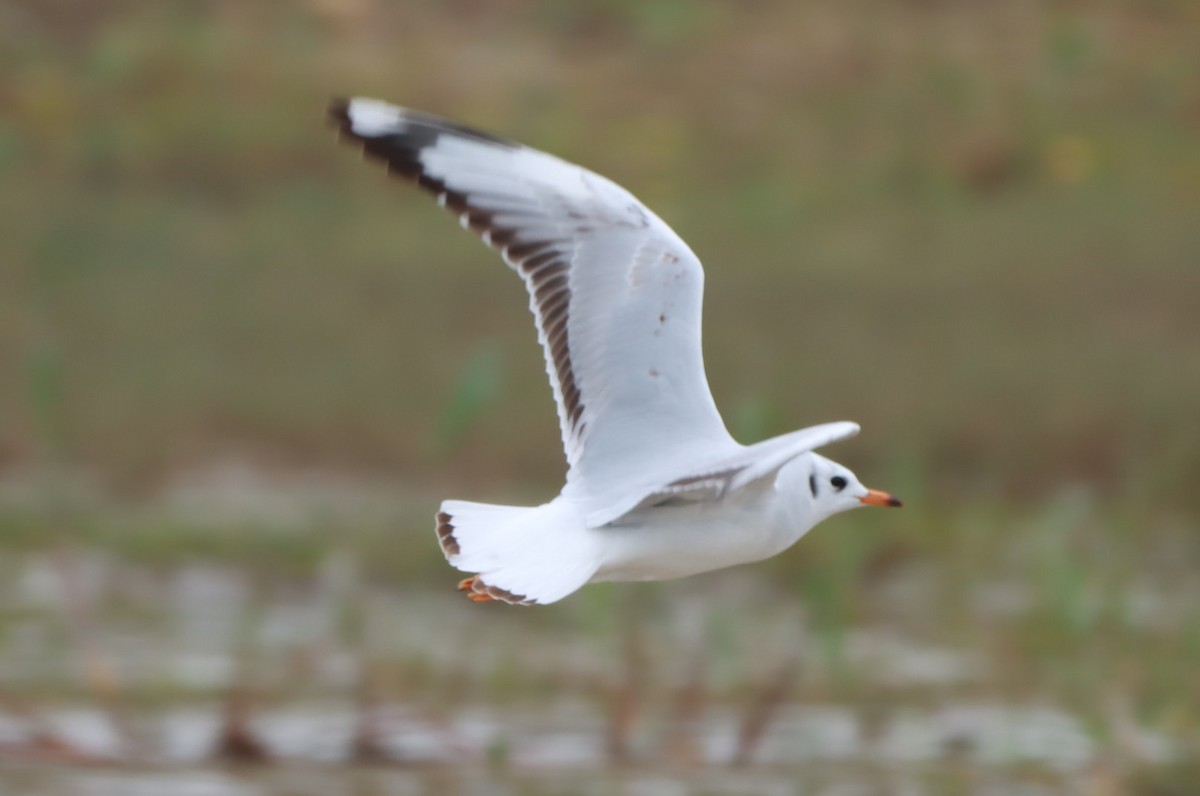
(974, 228)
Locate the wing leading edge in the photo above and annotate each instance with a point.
(615, 293)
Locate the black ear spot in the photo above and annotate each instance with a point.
(838, 483)
(812, 484)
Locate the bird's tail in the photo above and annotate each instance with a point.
(520, 555)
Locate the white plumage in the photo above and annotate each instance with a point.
(656, 487)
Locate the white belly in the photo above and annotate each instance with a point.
(686, 539)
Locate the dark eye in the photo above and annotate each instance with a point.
(838, 483)
(812, 485)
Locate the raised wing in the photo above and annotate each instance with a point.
(616, 295)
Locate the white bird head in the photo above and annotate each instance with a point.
(830, 488)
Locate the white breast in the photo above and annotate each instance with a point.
(674, 541)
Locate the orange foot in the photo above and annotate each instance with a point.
(469, 585)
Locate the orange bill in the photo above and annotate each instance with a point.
(876, 498)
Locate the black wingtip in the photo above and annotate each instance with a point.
(399, 152)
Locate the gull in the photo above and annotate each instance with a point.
(656, 487)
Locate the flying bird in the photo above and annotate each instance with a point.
(656, 487)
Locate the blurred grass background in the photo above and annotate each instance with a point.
(972, 227)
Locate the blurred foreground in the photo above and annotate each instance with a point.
(1042, 649)
(240, 369)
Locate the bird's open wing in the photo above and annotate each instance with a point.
(616, 295)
